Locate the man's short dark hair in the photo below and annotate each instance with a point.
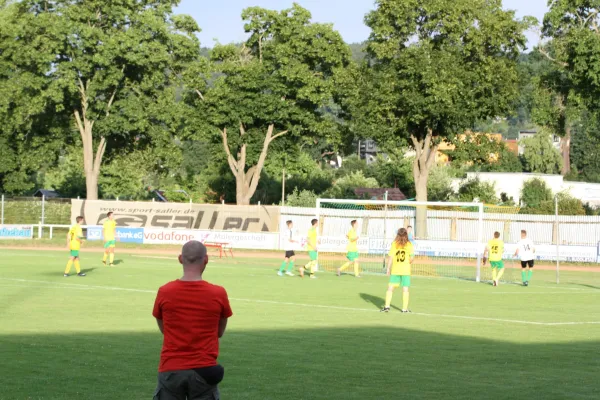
(79, 219)
(108, 214)
(496, 235)
(352, 222)
(289, 222)
(193, 253)
(410, 226)
(523, 232)
(314, 221)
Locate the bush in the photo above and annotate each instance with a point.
(534, 193)
(344, 187)
(439, 186)
(304, 198)
(475, 189)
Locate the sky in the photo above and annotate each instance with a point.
(220, 20)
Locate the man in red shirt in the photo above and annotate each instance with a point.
(192, 315)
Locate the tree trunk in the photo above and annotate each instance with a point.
(565, 149)
(424, 159)
(246, 182)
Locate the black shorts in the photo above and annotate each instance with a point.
(529, 263)
(289, 254)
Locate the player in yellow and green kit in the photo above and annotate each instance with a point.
(401, 256)
(109, 231)
(495, 249)
(74, 239)
(311, 246)
(352, 250)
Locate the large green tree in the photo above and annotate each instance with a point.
(540, 155)
(436, 67)
(277, 84)
(108, 66)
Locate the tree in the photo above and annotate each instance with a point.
(274, 88)
(344, 187)
(103, 64)
(585, 150)
(540, 155)
(477, 190)
(481, 152)
(534, 193)
(436, 67)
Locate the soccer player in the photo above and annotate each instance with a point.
(526, 250)
(401, 257)
(109, 230)
(411, 237)
(311, 246)
(290, 255)
(495, 249)
(352, 250)
(74, 239)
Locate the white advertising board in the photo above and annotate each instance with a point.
(237, 240)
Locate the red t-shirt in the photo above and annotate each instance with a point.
(190, 312)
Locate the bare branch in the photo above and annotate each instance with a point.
(242, 129)
(278, 135)
(79, 123)
(549, 57)
(199, 94)
(112, 97)
(230, 158)
(263, 156)
(99, 154)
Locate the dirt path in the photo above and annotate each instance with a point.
(277, 254)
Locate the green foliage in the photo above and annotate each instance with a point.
(585, 150)
(475, 189)
(125, 177)
(67, 177)
(343, 188)
(303, 198)
(534, 193)
(481, 153)
(397, 171)
(439, 184)
(540, 155)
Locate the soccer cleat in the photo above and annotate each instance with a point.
(385, 309)
(66, 275)
(313, 277)
(495, 284)
(339, 272)
(111, 265)
(405, 311)
(81, 274)
(288, 273)
(358, 276)
(280, 273)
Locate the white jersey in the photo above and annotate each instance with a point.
(526, 249)
(289, 236)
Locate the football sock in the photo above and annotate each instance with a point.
(494, 273)
(356, 271)
(282, 268)
(500, 273)
(388, 298)
(69, 264)
(311, 266)
(104, 257)
(77, 266)
(405, 296)
(112, 257)
(290, 266)
(343, 267)
(529, 275)
(524, 276)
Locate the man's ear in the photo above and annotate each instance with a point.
(206, 259)
(180, 258)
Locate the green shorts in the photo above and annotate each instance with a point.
(74, 253)
(352, 255)
(110, 243)
(400, 280)
(312, 255)
(497, 264)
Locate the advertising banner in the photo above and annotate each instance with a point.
(124, 234)
(159, 215)
(237, 240)
(16, 232)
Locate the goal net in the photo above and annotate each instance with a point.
(448, 237)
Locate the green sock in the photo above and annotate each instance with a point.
(282, 267)
(291, 266)
(530, 274)
(523, 276)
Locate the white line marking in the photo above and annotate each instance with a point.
(84, 286)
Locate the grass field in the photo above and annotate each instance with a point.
(95, 338)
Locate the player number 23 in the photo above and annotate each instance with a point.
(400, 256)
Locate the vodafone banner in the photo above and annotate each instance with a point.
(237, 240)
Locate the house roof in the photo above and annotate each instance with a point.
(394, 194)
(47, 193)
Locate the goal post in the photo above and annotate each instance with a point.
(453, 246)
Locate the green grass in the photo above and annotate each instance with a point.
(95, 338)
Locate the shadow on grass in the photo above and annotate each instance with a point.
(379, 302)
(379, 362)
(588, 286)
(119, 262)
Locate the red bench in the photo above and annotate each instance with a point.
(221, 246)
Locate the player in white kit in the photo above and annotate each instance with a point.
(526, 250)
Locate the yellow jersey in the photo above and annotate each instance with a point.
(109, 227)
(352, 242)
(401, 258)
(312, 239)
(75, 236)
(496, 249)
